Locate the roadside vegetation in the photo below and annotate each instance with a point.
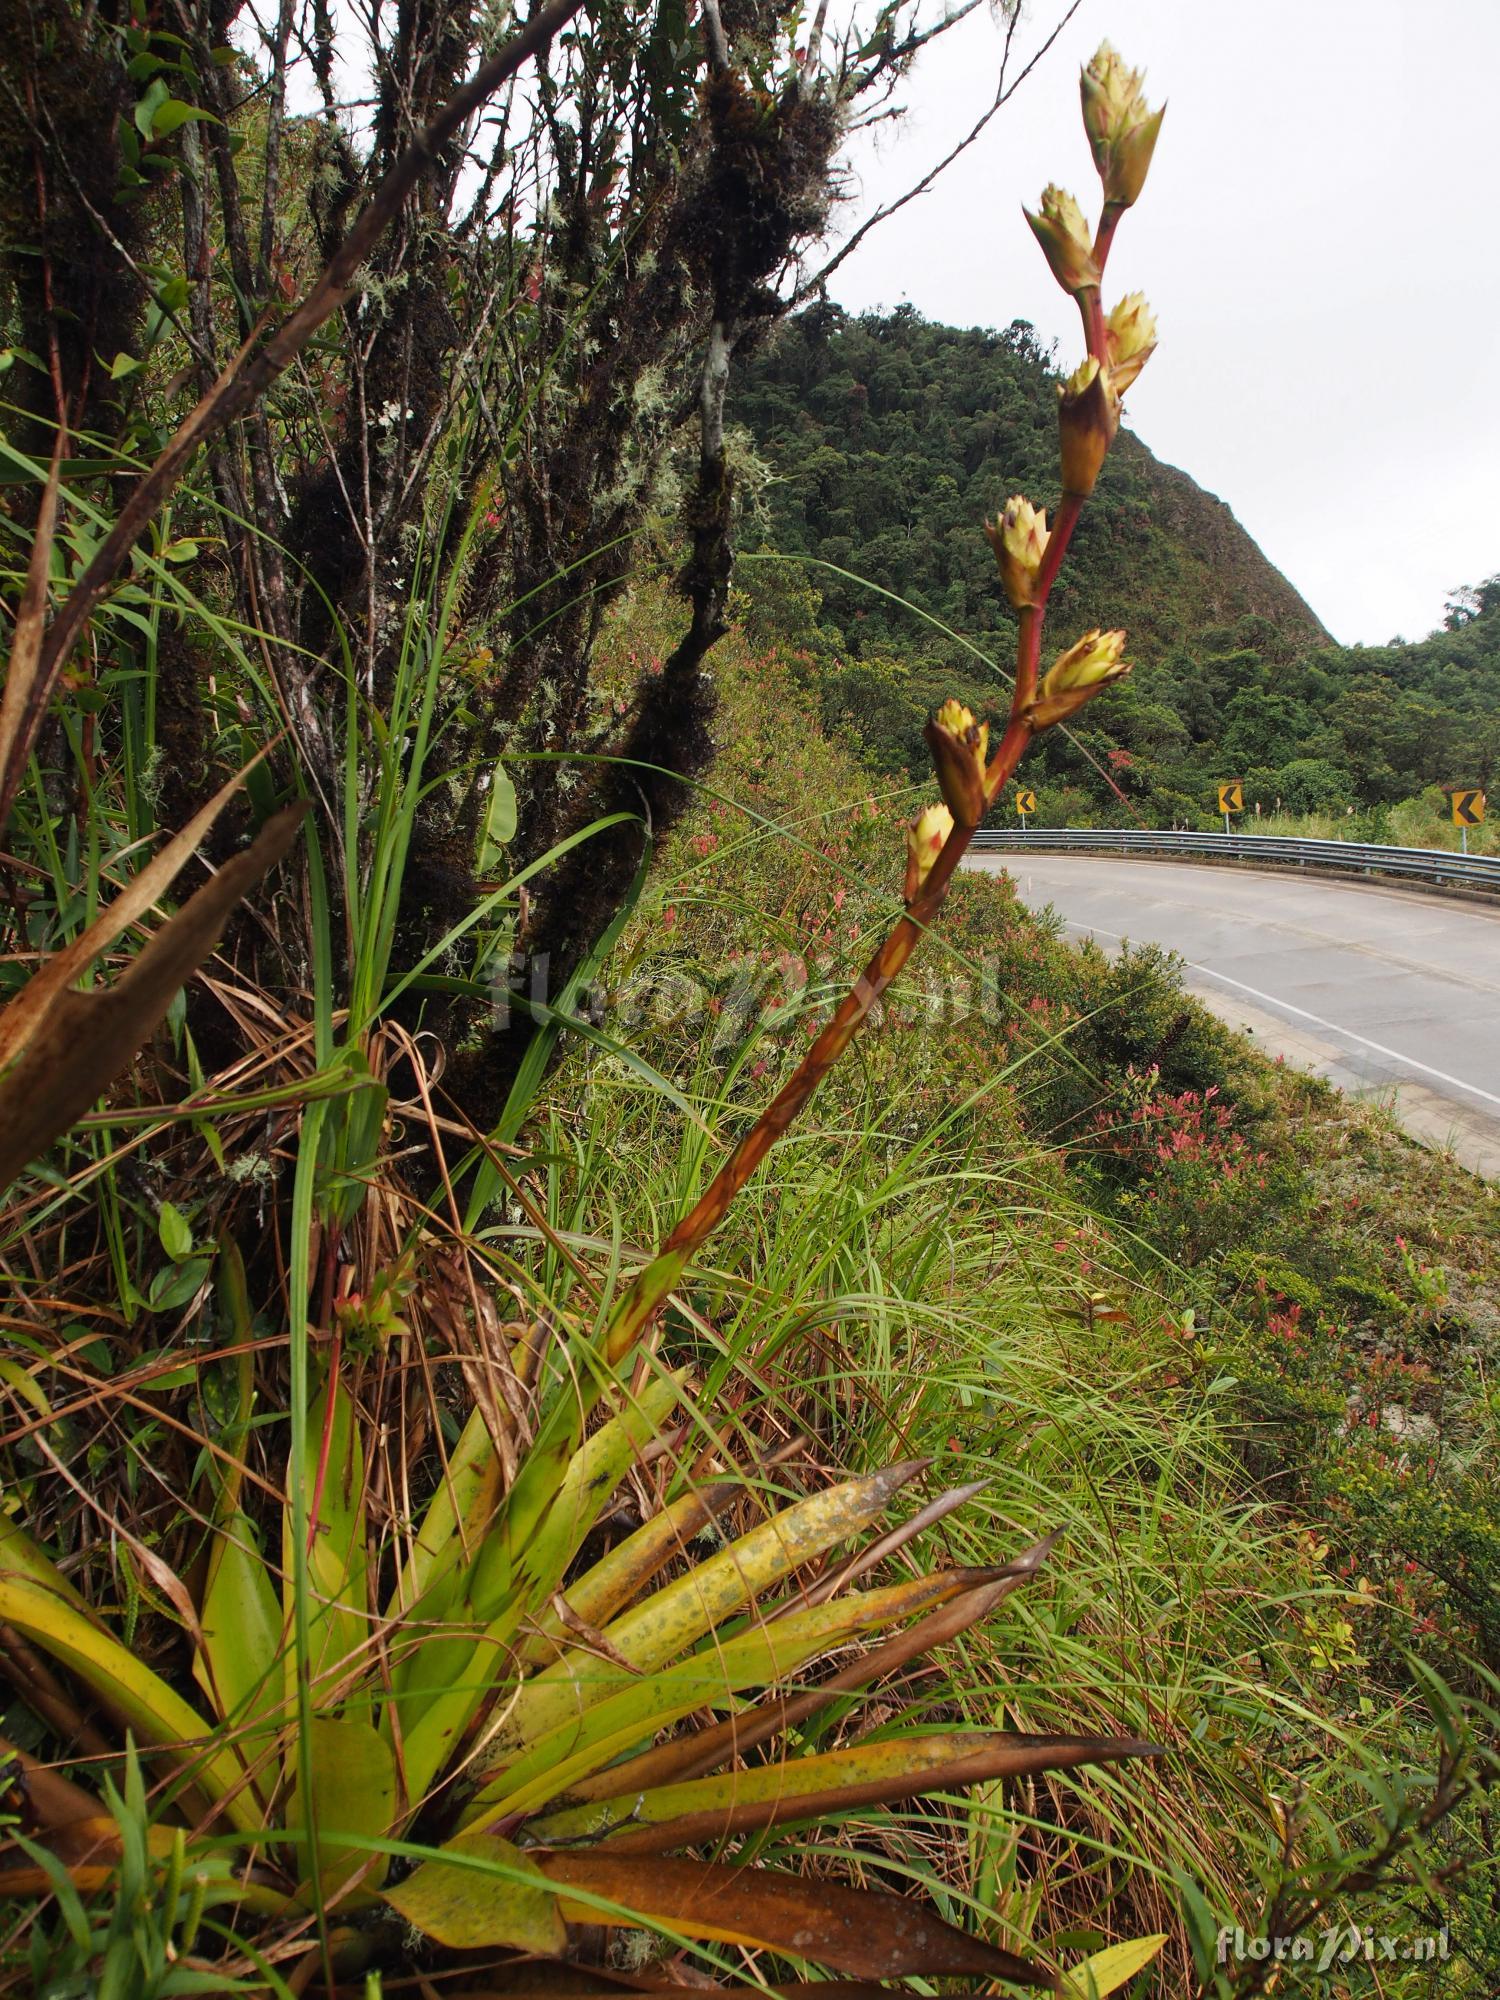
(616, 1376)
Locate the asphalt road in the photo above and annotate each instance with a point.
(1386, 992)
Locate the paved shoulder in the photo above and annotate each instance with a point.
(1385, 992)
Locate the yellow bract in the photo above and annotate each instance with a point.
(925, 841)
(1121, 126)
(1067, 242)
(1130, 337)
(1019, 539)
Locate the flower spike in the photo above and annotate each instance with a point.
(1121, 126)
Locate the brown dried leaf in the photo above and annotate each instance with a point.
(859, 1931)
(23, 673)
(63, 1048)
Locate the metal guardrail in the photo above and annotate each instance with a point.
(1432, 865)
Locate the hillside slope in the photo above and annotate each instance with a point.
(889, 439)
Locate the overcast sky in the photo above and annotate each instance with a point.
(1319, 242)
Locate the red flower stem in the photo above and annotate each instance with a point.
(1091, 307)
(1091, 302)
(1109, 222)
(1063, 524)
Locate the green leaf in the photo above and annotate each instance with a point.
(338, 1615)
(469, 1906)
(1108, 1970)
(167, 117)
(123, 364)
(146, 110)
(499, 821)
(447, 1676)
(240, 1620)
(458, 1516)
(175, 1284)
(354, 1792)
(175, 1232)
(170, 1378)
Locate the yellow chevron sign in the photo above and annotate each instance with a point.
(1025, 803)
(1468, 808)
(1232, 797)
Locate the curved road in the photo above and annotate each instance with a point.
(1387, 992)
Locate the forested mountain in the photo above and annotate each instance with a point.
(888, 438)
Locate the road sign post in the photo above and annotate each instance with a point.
(1025, 806)
(1468, 810)
(1231, 798)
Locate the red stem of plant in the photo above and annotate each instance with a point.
(1109, 222)
(1063, 523)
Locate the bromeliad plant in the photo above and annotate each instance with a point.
(536, 1709)
(553, 1735)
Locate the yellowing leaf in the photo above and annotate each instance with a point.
(491, 1898)
(157, 1714)
(1108, 1970)
(564, 1762)
(603, 1591)
(354, 1791)
(674, 1618)
(801, 1788)
(25, 1384)
(239, 1666)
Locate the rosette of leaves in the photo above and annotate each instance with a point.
(556, 1741)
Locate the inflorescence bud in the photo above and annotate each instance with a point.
(1122, 128)
(1130, 340)
(959, 747)
(1019, 538)
(1064, 235)
(1089, 413)
(1077, 675)
(925, 841)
